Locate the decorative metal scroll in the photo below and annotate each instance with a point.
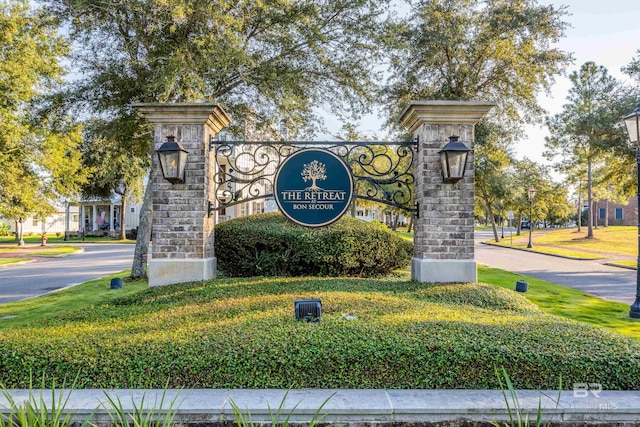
(382, 171)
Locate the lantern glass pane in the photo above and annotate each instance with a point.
(443, 164)
(456, 163)
(170, 161)
(632, 127)
(182, 163)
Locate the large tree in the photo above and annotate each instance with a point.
(588, 126)
(39, 162)
(264, 60)
(499, 50)
(471, 50)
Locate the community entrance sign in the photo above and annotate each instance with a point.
(313, 187)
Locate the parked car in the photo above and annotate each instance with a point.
(524, 225)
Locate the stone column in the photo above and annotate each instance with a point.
(112, 213)
(182, 234)
(81, 223)
(94, 217)
(443, 234)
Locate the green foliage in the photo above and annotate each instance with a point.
(142, 413)
(477, 50)
(241, 333)
(5, 229)
(589, 131)
(35, 412)
(243, 418)
(518, 418)
(39, 160)
(269, 245)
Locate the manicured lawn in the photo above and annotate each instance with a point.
(616, 240)
(52, 238)
(32, 310)
(37, 250)
(567, 302)
(241, 333)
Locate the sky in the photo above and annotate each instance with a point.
(606, 32)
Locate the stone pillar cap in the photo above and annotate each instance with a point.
(443, 112)
(199, 113)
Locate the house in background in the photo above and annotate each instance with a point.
(619, 214)
(101, 217)
(54, 223)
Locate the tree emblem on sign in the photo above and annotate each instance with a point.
(314, 171)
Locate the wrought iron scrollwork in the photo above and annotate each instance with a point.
(382, 171)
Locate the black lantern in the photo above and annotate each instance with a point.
(453, 159)
(173, 159)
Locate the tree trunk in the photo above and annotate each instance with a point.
(493, 221)
(589, 202)
(410, 226)
(579, 207)
(595, 214)
(518, 224)
(395, 222)
(139, 267)
(17, 231)
(606, 213)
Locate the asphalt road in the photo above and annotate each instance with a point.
(50, 274)
(47, 275)
(611, 283)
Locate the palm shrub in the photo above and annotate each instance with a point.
(269, 245)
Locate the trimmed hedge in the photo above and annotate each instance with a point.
(242, 333)
(269, 245)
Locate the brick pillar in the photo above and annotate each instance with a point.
(443, 234)
(182, 234)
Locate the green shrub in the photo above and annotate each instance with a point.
(269, 245)
(242, 333)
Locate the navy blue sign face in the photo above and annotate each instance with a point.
(313, 187)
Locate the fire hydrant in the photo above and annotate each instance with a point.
(43, 240)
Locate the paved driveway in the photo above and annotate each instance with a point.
(612, 283)
(49, 274)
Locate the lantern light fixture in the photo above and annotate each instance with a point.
(173, 159)
(453, 159)
(632, 121)
(633, 125)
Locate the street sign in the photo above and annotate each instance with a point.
(510, 215)
(313, 187)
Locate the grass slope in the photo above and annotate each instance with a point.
(242, 333)
(32, 310)
(567, 302)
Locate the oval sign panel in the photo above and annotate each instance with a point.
(313, 187)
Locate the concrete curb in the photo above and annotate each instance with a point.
(352, 407)
(613, 264)
(541, 253)
(16, 263)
